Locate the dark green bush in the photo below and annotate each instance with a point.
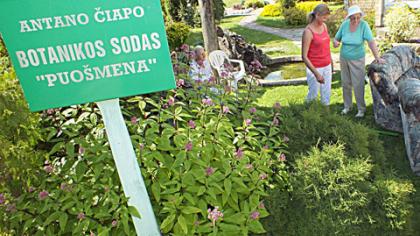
(370, 19)
(294, 16)
(335, 20)
(287, 3)
(177, 33)
(254, 3)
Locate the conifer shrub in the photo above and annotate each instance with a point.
(339, 182)
(294, 16)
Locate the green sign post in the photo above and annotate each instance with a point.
(72, 52)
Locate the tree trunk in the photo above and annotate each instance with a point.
(208, 25)
(380, 11)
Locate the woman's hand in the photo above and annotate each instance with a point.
(319, 78)
(380, 61)
(336, 43)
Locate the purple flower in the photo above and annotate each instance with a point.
(64, 186)
(81, 216)
(224, 74)
(50, 111)
(171, 101)
(141, 145)
(81, 150)
(282, 157)
(48, 168)
(255, 215)
(214, 215)
(225, 109)
(114, 223)
(277, 106)
(212, 79)
(207, 101)
(263, 176)
(266, 147)
(10, 207)
(248, 122)
(133, 120)
(252, 110)
(239, 153)
(43, 195)
(31, 189)
(209, 171)
(188, 146)
(184, 47)
(286, 139)
(191, 124)
(180, 83)
(2, 199)
(249, 166)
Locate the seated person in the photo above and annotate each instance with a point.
(200, 69)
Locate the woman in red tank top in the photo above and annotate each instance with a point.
(316, 54)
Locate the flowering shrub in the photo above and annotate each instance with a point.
(307, 6)
(208, 158)
(271, 10)
(402, 23)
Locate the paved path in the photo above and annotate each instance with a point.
(294, 35)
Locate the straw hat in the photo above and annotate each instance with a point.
(354, 10)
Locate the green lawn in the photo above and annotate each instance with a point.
(272, 45)
(393, 142)
(275, 22)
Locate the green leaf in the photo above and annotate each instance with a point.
(190, 210)
(27, 224)
(156, 191)
(53, 217)
(93, 118)
(133, 211)
(256, 227)
(81, 169)
(190, 198)
(183, 224)
(168, 223)
(63, 221)
(230, 228)
(56, 147)
(103, 232)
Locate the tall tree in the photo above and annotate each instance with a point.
(208, 25)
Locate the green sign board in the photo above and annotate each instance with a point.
(78, 51)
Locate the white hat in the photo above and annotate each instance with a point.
(354, 10)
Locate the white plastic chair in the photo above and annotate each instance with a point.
(217, 59)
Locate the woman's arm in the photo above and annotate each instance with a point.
(375, 51)
(306, 42)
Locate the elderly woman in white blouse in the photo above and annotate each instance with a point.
(200, 69)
